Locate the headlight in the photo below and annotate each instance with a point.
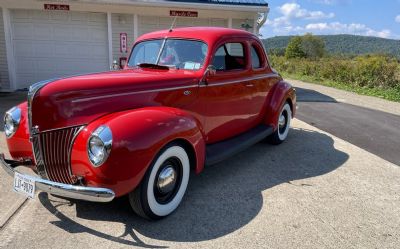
(12, 119)
(99, 145)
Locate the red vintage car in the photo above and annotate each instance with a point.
(187, 98)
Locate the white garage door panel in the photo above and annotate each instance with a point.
(50, 44)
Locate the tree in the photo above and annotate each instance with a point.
(294, 48)
(313, 46)
(277, 51)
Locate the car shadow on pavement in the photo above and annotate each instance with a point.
(308, 95)
(219, 201)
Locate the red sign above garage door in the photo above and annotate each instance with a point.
(56, 7)
(183, 13)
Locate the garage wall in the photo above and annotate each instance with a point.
(4, 79)
(237, 23)
(153, 23)
(121, 23)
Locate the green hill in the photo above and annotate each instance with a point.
(344, 44)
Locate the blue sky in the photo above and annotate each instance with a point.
(368, 18)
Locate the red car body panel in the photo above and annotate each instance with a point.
(149, 108)
(81, 99)
(19, 145)
(137, 137)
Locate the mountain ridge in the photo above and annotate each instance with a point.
(344, 44)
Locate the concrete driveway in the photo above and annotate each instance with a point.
(314, 191)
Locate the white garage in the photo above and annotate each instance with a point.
(47, 39)
(55, 44)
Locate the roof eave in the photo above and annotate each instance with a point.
(213, 6)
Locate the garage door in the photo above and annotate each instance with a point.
(49, 44)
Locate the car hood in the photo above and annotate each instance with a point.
(80, 99)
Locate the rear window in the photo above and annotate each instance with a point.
(255, 58)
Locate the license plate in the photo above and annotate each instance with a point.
(24, 185)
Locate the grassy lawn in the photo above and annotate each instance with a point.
(392, 94)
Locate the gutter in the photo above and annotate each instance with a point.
(261, 20)
(175, 4)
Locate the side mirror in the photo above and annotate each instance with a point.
(210, 71)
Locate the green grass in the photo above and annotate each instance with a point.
(392, 94)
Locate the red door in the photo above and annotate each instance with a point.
(228, 94)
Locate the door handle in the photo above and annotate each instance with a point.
(250, 85)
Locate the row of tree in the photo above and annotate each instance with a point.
(347, 46)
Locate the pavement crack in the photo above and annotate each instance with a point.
(300, 185)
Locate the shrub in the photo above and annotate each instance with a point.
(371, 71)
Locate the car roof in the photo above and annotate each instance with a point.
(207, 34)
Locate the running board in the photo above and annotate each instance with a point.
(220, 151)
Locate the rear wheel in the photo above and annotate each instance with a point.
(164, 184)
(283, 128)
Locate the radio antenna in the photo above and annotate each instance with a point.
(173, 24)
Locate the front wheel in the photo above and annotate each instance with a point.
(283, 128)
(164, 184)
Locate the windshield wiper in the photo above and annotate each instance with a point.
(153, 66)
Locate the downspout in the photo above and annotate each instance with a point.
(262, 18)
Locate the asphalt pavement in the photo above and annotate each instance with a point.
(376, 131)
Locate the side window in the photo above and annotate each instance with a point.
(229, 56)
(255, 58)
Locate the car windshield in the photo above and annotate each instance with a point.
(175, 53)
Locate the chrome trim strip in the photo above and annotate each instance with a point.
(70, 149)
(62, 128)
(131, 93)
(65, 190)
(33, 89)
(228, 82)
(38, 156)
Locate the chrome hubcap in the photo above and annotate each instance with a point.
(282, 121)
(166, 180)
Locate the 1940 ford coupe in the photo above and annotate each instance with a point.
(187, 98)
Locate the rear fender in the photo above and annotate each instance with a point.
(277, 97)
(138, 135)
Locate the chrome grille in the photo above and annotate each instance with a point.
(52, 151)
(38, 156)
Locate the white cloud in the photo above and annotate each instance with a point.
(397, 19)
(293, 11)
(342, 28)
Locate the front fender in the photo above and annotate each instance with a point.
(278, 95)
(138, 135)
(19, 145)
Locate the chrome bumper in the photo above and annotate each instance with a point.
(60, 189)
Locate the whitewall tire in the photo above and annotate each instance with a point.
(283, 125)
(164, 184)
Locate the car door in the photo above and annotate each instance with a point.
(262, 79)
(227, 94)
